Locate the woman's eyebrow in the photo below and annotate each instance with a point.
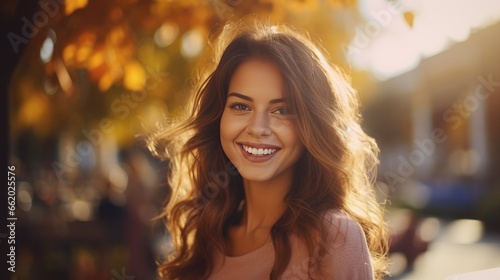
(248, 98)
(279, 100)
(242, 96)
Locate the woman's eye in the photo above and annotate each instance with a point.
(239, 107)
(281, 111)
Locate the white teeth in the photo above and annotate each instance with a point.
(258, 152)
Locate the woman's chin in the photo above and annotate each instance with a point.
(256, 176)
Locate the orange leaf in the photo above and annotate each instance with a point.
(409, 18)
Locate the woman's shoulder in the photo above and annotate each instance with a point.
(347, 252)
(343, 254)
(338, 221)
(343, 230)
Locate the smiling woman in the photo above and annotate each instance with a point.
(257, 136)
(301, 204)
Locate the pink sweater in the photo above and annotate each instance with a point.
(347, 257)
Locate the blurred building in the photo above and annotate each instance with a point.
(439, 132)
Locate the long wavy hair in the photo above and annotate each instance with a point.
(336, 170)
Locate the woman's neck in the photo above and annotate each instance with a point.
(264, 202)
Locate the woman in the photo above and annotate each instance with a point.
(271, 171)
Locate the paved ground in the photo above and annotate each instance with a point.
(460, 247)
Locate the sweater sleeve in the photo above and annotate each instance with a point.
(347, 255)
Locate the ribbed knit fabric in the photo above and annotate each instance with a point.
(347, 257)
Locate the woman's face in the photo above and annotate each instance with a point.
(256, 132)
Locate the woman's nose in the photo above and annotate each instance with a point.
(259, 124)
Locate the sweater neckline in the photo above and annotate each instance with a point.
(250, 254)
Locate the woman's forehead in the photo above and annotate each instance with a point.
(257, 79)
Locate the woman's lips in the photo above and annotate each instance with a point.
(258, 152)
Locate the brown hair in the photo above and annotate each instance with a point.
(336, 170)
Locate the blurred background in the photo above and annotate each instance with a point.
(88, 80)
